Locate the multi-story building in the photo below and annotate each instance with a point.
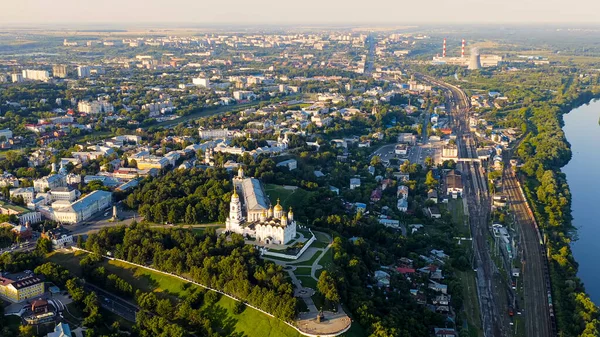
(27, 193)
(7, 179)
(50, 182)
(213, 133)
(17, 288)
(59, 71)
(84, 71)
(150, 162)
(36, 75)
(201, 82)
(83, 208)
(63, 193)
(24, 215)
(95, 107)
(16, 78)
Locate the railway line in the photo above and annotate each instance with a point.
(537, 305)
(538, 309)
(492, 298)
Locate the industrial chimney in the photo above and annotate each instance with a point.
(475, 60)
(444, 49)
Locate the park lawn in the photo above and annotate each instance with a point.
(250, 322)
(302, 271)
(308, 281)
(326, 262)
(289, 198)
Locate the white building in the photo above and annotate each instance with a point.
(84, 208)
(36, 75)
(28, 193)
(50, 182)
(95, 107)
(6, 133)
(291, 164)
(16, 78)
(213, 133)
(64, 193)
(84, 71)
(253, 218)
(7, 179)
(201, 82)
(354, 183)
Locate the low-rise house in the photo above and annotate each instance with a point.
(402, 205)
(434, 212)
(61, 330)
(454, 184)
(354, 183)
(444, 332)
(402, 192)
(432, 195)
(291, 164)
(438, 287)
(376, 195)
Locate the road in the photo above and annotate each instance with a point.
(102, 221)
(536, 281)
(114, 303)
(491, 292)
(370, 61)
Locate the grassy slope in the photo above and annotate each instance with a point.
(289, 198)
(250, 322)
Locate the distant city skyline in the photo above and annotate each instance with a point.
(124, 12)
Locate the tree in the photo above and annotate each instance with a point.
(43, 246)
(430, 181)
(428, 161)
(26, 331)
(326, 286)
(190, 215)
(375, 161)
(164, 308)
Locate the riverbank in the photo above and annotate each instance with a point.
(544, 152)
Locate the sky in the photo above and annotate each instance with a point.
(243, 12)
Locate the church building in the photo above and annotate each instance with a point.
(251, 214)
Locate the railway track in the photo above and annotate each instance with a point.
(538, 307)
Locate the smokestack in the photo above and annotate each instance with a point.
(462, 51)
(444, 50)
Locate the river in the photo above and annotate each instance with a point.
(583, 133)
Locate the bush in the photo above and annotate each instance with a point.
(239, 307)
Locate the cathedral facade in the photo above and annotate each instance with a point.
(250, 214)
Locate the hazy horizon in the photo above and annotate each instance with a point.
(307, 12)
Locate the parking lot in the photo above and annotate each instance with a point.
(415, 154)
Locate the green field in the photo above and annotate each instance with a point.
(289, 198)
(308, 281)
(302, 271)
(249, 323)
(471, 303)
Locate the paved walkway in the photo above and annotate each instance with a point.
(334, 322)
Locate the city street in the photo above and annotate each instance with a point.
(104, 220)
(114, 303)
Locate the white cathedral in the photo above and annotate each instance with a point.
(255, 217)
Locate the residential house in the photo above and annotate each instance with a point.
(454, 184)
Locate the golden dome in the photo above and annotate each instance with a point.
(290, 212)
(235, 195)
(283, 218)
(278, 207)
